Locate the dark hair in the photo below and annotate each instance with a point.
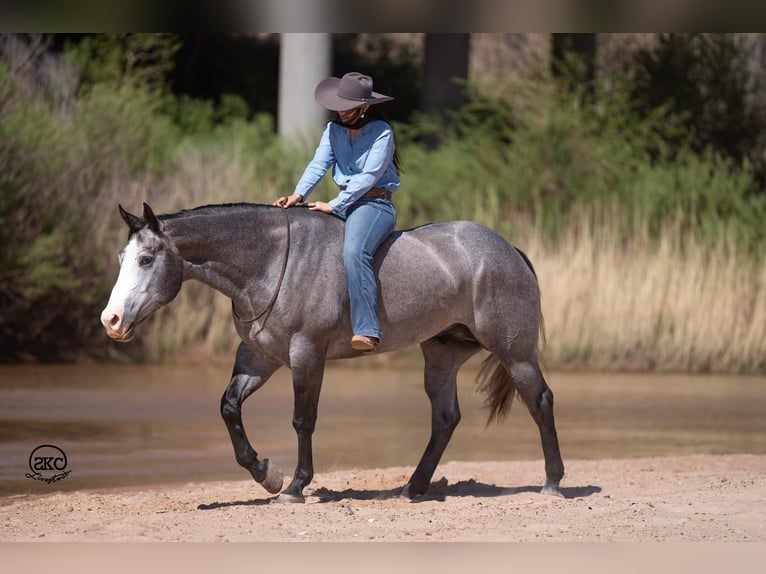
(373, 113)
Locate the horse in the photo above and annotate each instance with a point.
(453, 287)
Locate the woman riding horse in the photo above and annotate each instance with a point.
(359, 147)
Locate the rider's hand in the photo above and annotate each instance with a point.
(288, 201)
(321, 206)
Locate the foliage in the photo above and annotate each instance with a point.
(544, 153)
(144, 60)
(57, 156)
(532, 159)
(707, 80)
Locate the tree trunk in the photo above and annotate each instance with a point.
(445, 67)
(304, 61)
(445, 71)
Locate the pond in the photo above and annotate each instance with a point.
(124, 425)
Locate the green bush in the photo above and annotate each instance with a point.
(527, 157)
(58, 164)
(543, 154)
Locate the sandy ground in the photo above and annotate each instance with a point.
(688, 498)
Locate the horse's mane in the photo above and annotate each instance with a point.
(139, 223)
(215, 209)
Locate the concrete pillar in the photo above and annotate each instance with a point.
(304, 60)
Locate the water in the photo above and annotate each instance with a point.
(123, 425)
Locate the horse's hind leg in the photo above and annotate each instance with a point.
(531, 386)
(250, 373)
(443, 359)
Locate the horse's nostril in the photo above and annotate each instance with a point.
(114, 320)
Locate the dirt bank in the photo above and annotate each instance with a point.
(687, 498)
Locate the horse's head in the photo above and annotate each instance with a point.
(151, 273)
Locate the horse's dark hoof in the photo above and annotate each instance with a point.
(285, 498)
(274, 479)
(409, 492)
(551, 488)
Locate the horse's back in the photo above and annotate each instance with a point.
(451, 272)
(462, 249)
(443, 257)
(430, 278)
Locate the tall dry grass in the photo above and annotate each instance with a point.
(663, 302)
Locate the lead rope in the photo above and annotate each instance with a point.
(279, 283)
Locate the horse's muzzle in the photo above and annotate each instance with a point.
(115, 328)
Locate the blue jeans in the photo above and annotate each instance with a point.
(368, 222)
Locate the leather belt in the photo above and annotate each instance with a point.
(379, 192)
(375, 192)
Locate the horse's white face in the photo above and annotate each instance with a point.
(150, 277)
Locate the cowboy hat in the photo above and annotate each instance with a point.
(350, 91)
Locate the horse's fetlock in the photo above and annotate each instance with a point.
(304, 476)
(244, 459)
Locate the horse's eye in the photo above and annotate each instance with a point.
(145, 260)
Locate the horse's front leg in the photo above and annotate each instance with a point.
(307, 366)
(250, 373)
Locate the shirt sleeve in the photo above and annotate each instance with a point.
(323, 159)
(378, 159)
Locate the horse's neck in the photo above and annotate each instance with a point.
(234, 253)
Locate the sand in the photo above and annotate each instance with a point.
(683, 498)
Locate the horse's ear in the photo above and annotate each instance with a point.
(132, 221)
(151, 219)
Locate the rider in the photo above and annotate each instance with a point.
(359, 147)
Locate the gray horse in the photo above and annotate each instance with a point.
(453, 287)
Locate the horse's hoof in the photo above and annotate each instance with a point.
(274, 479)
(551, 488)
(409, 493)
(285, 498)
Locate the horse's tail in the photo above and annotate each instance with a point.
(495, 381)
(496, 384)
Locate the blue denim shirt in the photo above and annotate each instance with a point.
(358, 165)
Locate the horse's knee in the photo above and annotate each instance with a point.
(240, 387)
(230, 411)
(231, 403)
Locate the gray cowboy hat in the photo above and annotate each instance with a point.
(350, 91)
